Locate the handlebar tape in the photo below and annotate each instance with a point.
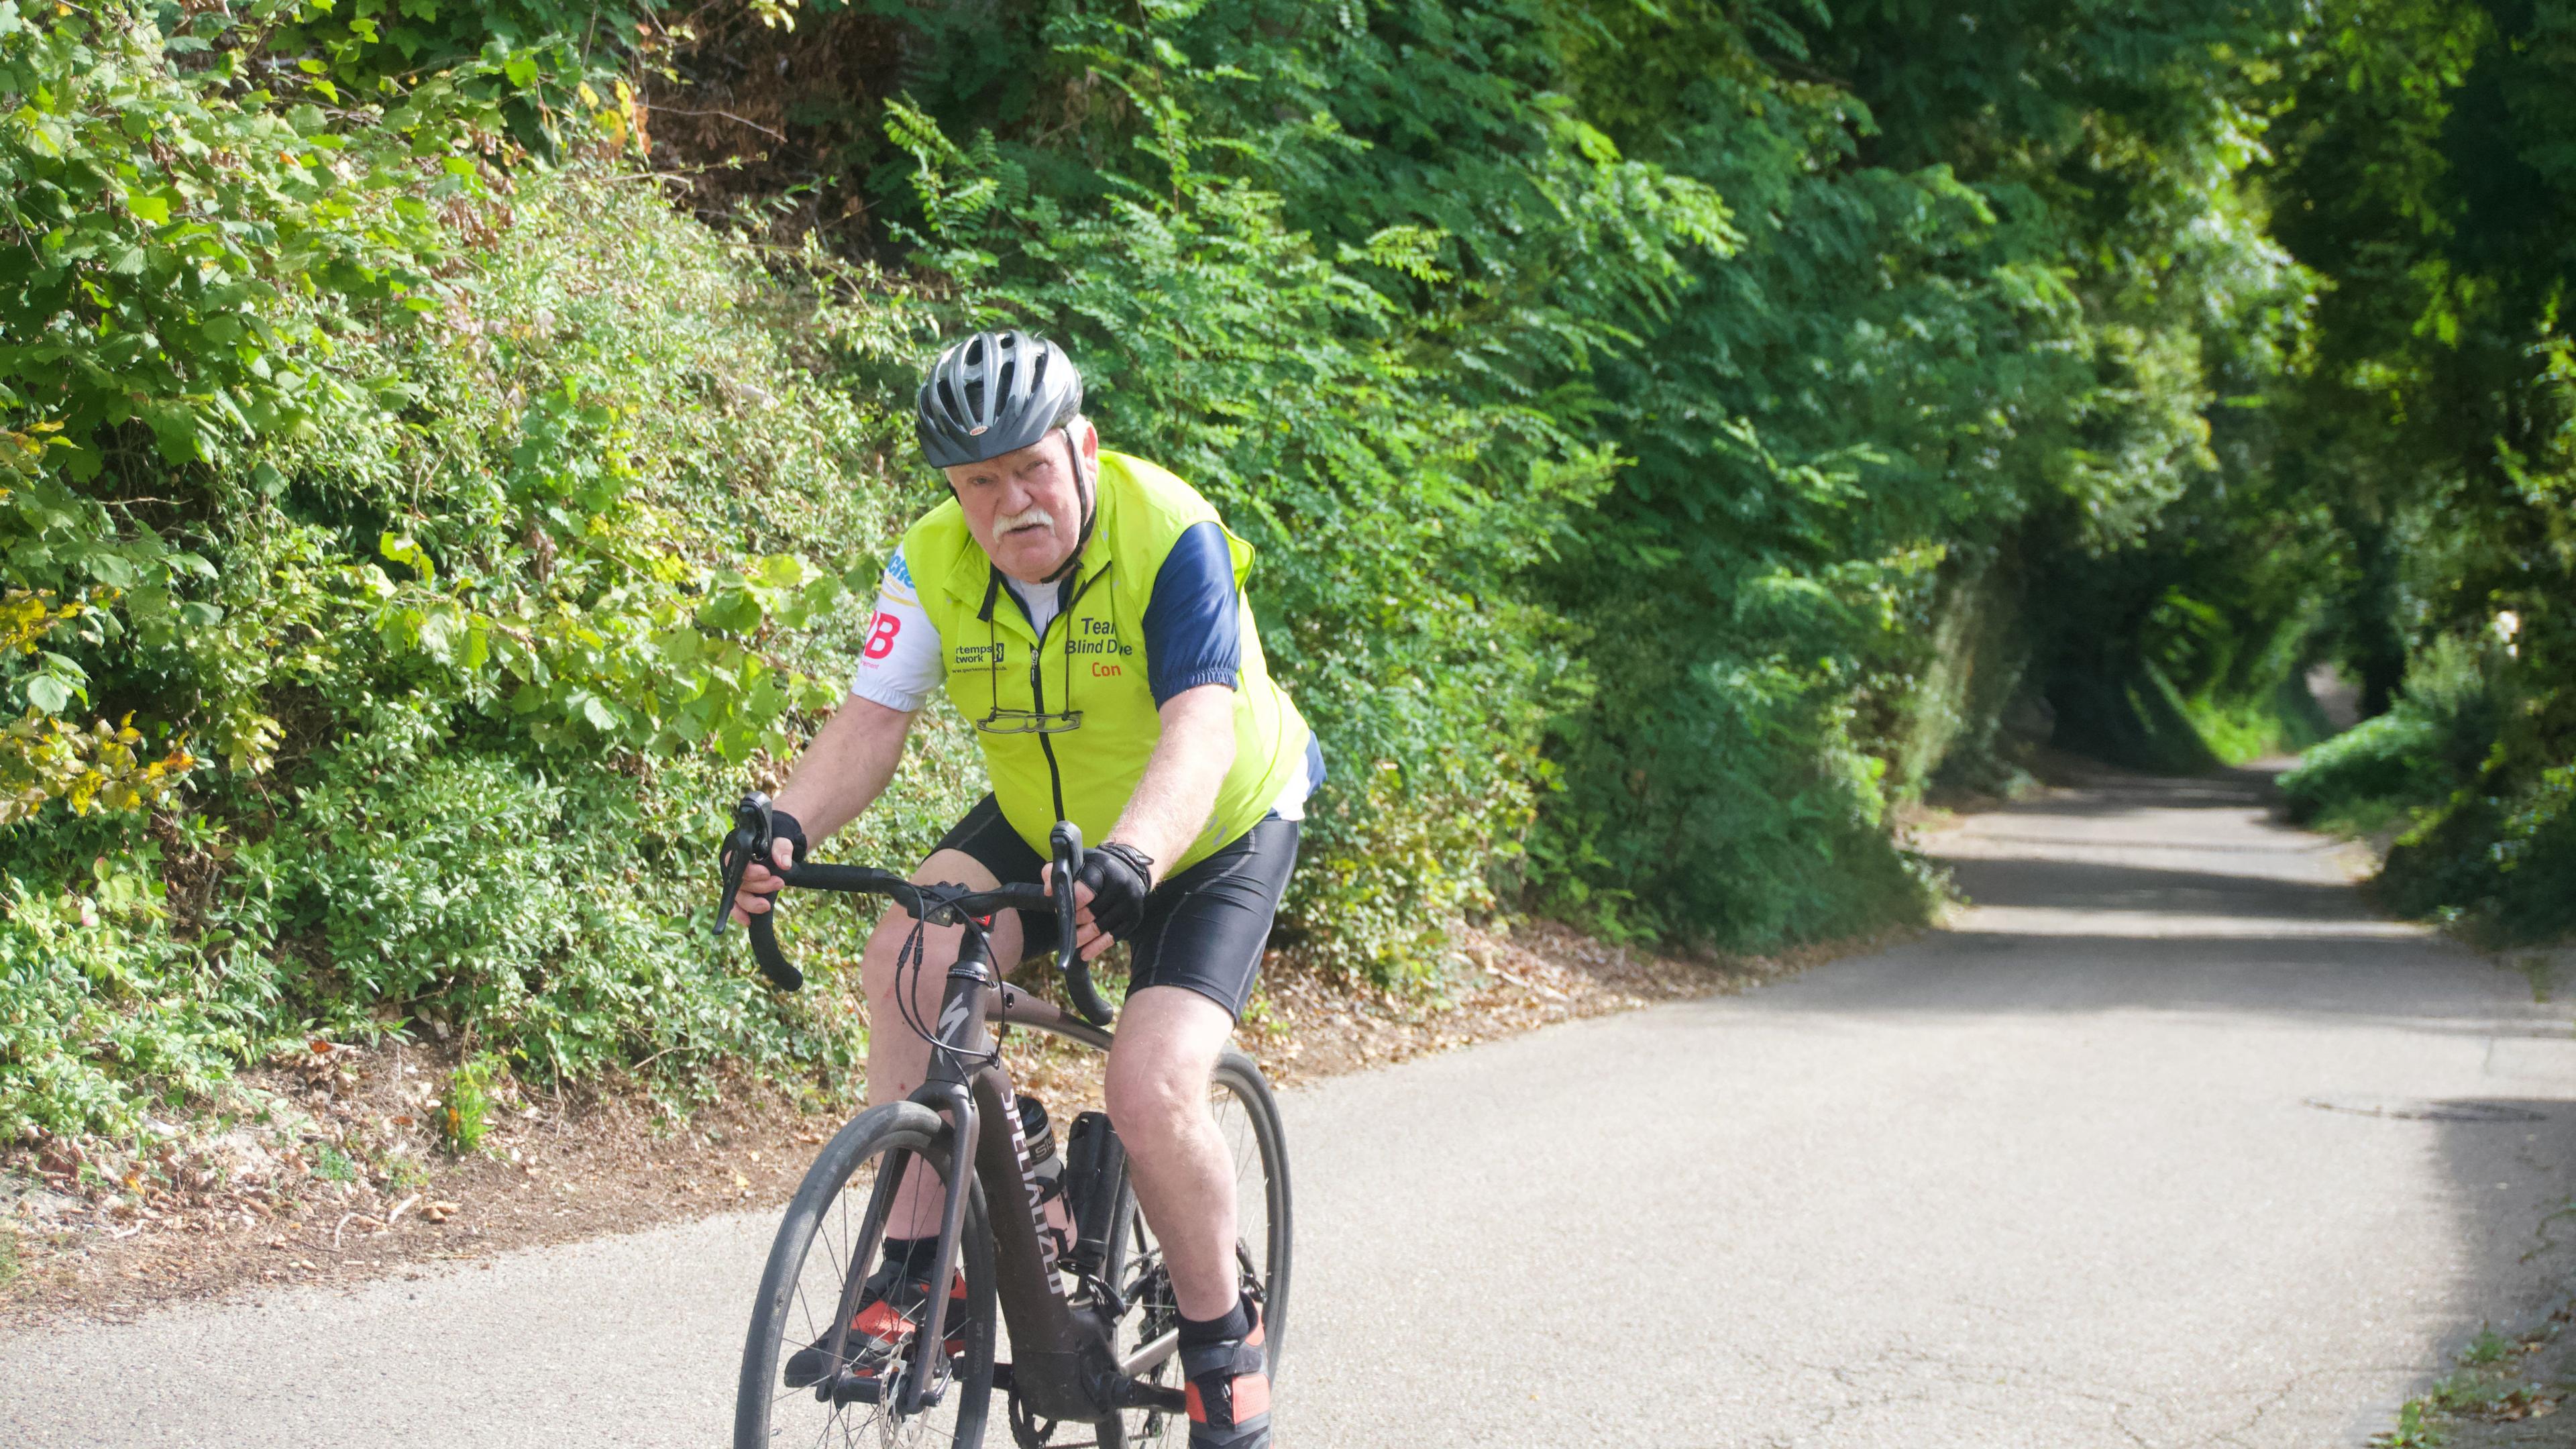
(1067, 840)
(860, 879)
(773, 962)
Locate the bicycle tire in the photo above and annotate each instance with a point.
(1260, 1153)
(800, 1294)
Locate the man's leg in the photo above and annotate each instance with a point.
(898, 1058)
(1168, 1042)
(1196, 952)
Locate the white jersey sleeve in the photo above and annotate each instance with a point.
(900, 664)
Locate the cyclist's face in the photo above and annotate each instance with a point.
(1025, 508)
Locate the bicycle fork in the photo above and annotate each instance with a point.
(1062, 1365)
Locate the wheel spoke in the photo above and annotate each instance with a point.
(834, 1257)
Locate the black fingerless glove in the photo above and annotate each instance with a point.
(783, 826)
(1120, 877)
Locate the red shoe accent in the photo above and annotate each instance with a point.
(880, 1322)
(1251, 1396)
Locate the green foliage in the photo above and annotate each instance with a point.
(2492, 1383)
(2497, 862)
(2427, 456)
(1924, 355)
(2394, 767)
(105, 1015)
(2487, 1349)
(2479, 841)
(2413, 1431)
(1672, 434)
(462, 568)
(465, 1108)
(1404, 284)
(1266, 365)
(136, 328)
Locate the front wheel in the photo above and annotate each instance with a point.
(827, 1246)
(1247, 1119)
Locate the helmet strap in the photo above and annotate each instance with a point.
(1087, 485)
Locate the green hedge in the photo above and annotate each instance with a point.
(417, 526)
(439, 525)
(2477, 839)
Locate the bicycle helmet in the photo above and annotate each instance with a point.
(994, 393)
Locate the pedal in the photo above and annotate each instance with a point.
(850, 1388)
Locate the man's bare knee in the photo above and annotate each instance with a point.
(1153, 1102)
(1168, 1043)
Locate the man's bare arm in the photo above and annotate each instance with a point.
(1189, 764)
(842, 771)
(1172, 802)
(846, 766)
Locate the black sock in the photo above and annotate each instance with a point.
(912, 1257)
(1196, 1333)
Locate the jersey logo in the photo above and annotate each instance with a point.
(881, 636)
(1096, 636)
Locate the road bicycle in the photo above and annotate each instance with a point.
(1092, 1325)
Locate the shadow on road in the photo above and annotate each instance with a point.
(2090, 885)
(2099, 790)
(2509, 1177)
(2308, 976)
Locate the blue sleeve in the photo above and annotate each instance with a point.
(1193, 623)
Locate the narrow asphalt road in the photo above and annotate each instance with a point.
(2166, 1141)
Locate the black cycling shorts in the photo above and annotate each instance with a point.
(1203, 929)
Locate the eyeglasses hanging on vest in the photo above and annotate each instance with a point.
(1039, 721)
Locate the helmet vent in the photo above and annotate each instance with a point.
(994, 393)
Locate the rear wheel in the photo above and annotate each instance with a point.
(825, 1248)
(1247, 1118)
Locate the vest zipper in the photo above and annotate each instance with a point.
(1037, 686)
(1037, 698)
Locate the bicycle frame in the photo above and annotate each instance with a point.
(1063, 1362)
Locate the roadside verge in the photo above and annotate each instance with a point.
(321, 1209)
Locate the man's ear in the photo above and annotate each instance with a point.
(1090, 442)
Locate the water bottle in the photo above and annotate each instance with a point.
(1048, 1170)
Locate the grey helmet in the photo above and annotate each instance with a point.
(994, 393)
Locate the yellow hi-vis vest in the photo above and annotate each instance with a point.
(1091, 663)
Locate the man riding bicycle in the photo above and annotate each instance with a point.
(1085, 610)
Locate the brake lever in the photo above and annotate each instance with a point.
(1067, 840)
(749, 841)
